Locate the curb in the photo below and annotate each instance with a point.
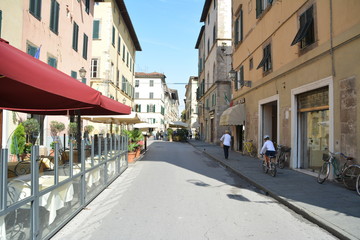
(331, 229)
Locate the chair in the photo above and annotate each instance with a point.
(15, 220)
(23, 168)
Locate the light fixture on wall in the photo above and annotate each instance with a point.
(82, 72)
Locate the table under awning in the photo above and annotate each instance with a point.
(32, 86)
(235, 115)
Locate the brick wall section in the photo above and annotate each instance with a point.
(348, 113)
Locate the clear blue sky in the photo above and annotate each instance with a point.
(167, 31)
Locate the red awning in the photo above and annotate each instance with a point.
(29, 85)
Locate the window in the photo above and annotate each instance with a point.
(75, 37)
(113, 36)
(151, 83)
(261, 5)
(208, 46)
(209, 18)
(31, 50)
(240, 78)
(123, 84)
(52, 62)
(123, 57)
(87, 6)
(74, 74)
(35, 8)
(239, 28)
(151, 108)
(266, 63)
(137, 82)
(127, 59)
(214, 34)
(137, 107)
(119, 45)
(151, 95)
(213, 100)
(85, 46)
(251, 63)
(96, 29)
(137, 95)
(306, 33)
(117, 78)
(0, 21)
(94, 68)
(54, 16)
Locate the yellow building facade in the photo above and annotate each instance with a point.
(297, 69)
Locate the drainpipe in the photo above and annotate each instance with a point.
(331, 41)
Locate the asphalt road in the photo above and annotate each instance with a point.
(175, 192)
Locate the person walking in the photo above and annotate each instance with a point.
(226, 141)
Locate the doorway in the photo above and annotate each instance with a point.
(269, 121)
(239, 137)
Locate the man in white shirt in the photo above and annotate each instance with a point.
(268, 149)
(226, 141)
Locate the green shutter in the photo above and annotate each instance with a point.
(258, 8)
(54, 16)
(31, 50)
(113, 36)
(0, 21)
(148, 108)
(75, 36)
(96, 29)
(85, 46)
(74, 74)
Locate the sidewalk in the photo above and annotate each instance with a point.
(329, 205)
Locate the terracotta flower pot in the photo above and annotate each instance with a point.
(131, 157)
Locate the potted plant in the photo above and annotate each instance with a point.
(17, 146)
(134, 138)
(32, 130)
(55, 128)
(170, 134)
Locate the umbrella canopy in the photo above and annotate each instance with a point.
(178, 124)
(145, 125)
(30, 85)
(132, 118)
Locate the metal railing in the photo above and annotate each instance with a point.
(49, 190)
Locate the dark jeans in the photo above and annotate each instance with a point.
(226, 151)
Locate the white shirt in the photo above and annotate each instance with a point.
(268, 146)
(226, 139)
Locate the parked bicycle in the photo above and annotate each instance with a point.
(358, 184)
(283, 155)
(348, 173)
(271, 168)
(249, 148)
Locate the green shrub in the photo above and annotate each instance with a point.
(18, 141)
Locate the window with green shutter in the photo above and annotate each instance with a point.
(31, 50)
(54, 16)
(85, 46)
(74, 74)
(96, 29)
(52, 62)
(261, 5)
(87, 6)
(35, 8)
(113, 36)
(123, 56)
(75, 37)
(119, 45)
(239, 28)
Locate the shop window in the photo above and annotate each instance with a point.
(306, 33)
(266, 62)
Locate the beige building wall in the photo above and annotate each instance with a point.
(330, 62)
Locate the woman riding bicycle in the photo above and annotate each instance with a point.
(268, 149)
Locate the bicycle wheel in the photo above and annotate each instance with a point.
(324, 172)
(358, 184)
(253, 152)
(350, 175)
(272, 169)
(281, 160)
(264, 167)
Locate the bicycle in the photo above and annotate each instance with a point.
(347, 174)
(271, 169)
(358, 184)
(283, 155)
(249, 149)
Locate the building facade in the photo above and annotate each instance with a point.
(296, 64)
(214, 46)
(191, 105)
(56, 32)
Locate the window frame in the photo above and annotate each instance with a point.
(261, 8)
(266, 62)
(238, 28)
(306, 35)
(51, 60)
(93, 66)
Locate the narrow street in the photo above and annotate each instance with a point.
(175, 192)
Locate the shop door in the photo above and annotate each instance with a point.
(313, 128)
(212, 130)
(239, 137)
